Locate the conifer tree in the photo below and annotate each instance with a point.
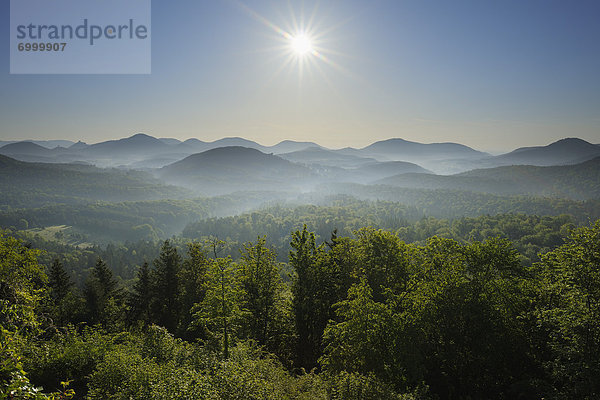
(303, 257)
(141, 296)
(194, 283)
(102, 293)
(166, 307)
(59, 281)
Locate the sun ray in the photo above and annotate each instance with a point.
(313, 15)
(295, 25)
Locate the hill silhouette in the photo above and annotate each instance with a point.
(579, 182)
(399, 149)
(234, 168)
(564, 151)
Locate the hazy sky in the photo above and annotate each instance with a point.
(494, 75)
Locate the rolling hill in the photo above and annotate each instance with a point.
(235, 168)
(438, 157)
(132, 146)
(25, 148)
(389, 168)
(24, 184)
(321, 156)
(142, 151)
(49, 144)
(400, 149)
(579, 182)
(565, 151)
(289, 146)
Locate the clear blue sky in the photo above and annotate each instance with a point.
(494, 75)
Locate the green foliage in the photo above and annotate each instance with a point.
(64, 302)
(166, 285)
(34, 184)
(194, 284)
(306, 298)
(220, 312)
(355, 343)
(149, 365)
(252, 374)
(354, 386)
(445, 203)
(569, 313)
(106, 222)
(103, 296)
(277, 222)
(14, 383)
(383, 259)
(68, 355)
(263, 293)
(59, 281)
(383, 319)
(530, 234)
(21, 284)
(445, 314)
(140, 298)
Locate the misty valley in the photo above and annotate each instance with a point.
(154, 268)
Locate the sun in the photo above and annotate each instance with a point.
(301, 44)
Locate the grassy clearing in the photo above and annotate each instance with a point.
(63, 234)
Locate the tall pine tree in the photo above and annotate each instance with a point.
(63, 305)
(102, 294)
(194, 284)
(166, 306)
(59, 281)
(303, 258)
(141, 296)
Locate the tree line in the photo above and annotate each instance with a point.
(531, 235)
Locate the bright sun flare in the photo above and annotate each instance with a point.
(300, 44)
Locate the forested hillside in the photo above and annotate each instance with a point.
(362, 317)
(25, 184)
(451, 203)
(578, 182)
(529, 234)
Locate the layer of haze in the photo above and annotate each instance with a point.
(492, 75)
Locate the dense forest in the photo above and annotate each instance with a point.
(378, 206)
(436, 309)
(529, 234)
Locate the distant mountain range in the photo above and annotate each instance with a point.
(224, 170)
(139, 151)
(145, 152)
(50, 144)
